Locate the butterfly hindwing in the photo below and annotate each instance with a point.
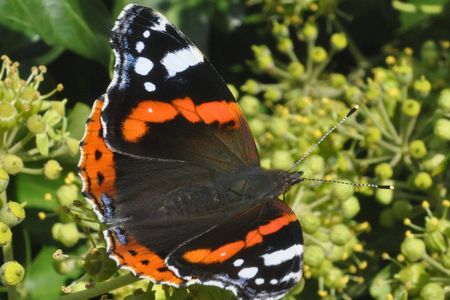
(163, 86)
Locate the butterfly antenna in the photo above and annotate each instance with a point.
(314, 147)
(375, 186)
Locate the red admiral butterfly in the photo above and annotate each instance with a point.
(169, 164)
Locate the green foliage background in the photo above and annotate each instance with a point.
(296, 66)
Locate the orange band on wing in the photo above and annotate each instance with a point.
(142, 260)
(137, 123)
(254, 237)
(97, 161)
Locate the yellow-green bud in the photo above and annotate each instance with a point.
(353, 94)
(338, 80)
(99, 265)
(411, 108)
(285, 45)
(384, 171)
(296, 69)
(52, 169)
(318, 54)
(422, 86)
(413, 249)
(8, 114)
(417, 149)
(384, 196)
(423, 180)
(430, 53)
(351, 207)
(280, 30)
(404, 73)
(314, 255)
(5, 234)
(73, 145)
(36, 124)
(442, 129)
(251, 87)
(282, 160)
(67, 194)
(436, 241)
(263, 57)
(11, 273)
(52, 117)
(67, 234)
(372, 92)
(279, 126)
(314, 165)
(12, 213)
(65, 266)
(444, 100)
(4, 180)
(250, 105)
(339, 41)
(342, 191)
(402, 209)
(310, 223)
(310, 32)
(433, 162)
(257, 126)
(340, 234)
(334, 279)
(372, 135)
(273, 94)
(432, 291)
(413, 277)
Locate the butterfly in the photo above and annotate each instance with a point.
(169, 164)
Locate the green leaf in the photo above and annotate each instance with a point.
(41, 280)
(76, 120)
(32, 188)
(80, 26)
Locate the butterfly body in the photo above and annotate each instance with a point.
(170, 166)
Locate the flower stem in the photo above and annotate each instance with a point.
(101, 288)
(8, 254)
(436, 264)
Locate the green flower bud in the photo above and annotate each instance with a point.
(314, 255)
(342, 191)
(435, 242)
(296, 69)
(282, 160)
(337, 253)
(318, 54)
(67, 194)
(411, 108)
(250, 105)
(73, 145)
(8, 114)
(279, 126)
(12, 213)
(372, 92)
(99, 265)
(413, 249)
(340, 234)
(351, 207)
(257, 127)
(338, 80)
(51, 117)
(433, 162)
(445, 259)
(384, 196)
(52, 169)
(444, 100)
(353, 94)
(36, 124)
(432, 291)
(12, 164)
(387, 218)
(402, 209)
(251, 87)
(310, 32)
(423, 180)
(5, 234)
(417, 149)
(280, 30)
(430, 53)
(422, 86)
(404, 73)
(339, 41)
(314, 165)
(285, 45)
(372, 135)
(4, 180)
(310, 223)
(384, 171)
(67, 234)
(442, 129)
(273, 94)
(65, 266)
(263, 57)
(335, 278)
(11, 273)
(413, 277)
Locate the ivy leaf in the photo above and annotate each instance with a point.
(80, 26)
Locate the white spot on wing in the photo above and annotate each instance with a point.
(259, 281)
(238, 262)
(143, 66)
(293, 275)
(273, 281)
(280, 256)
(161, 26)
(180, 60)
(248, 272)
(139, 46)
(146, 34)
(149, 86)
